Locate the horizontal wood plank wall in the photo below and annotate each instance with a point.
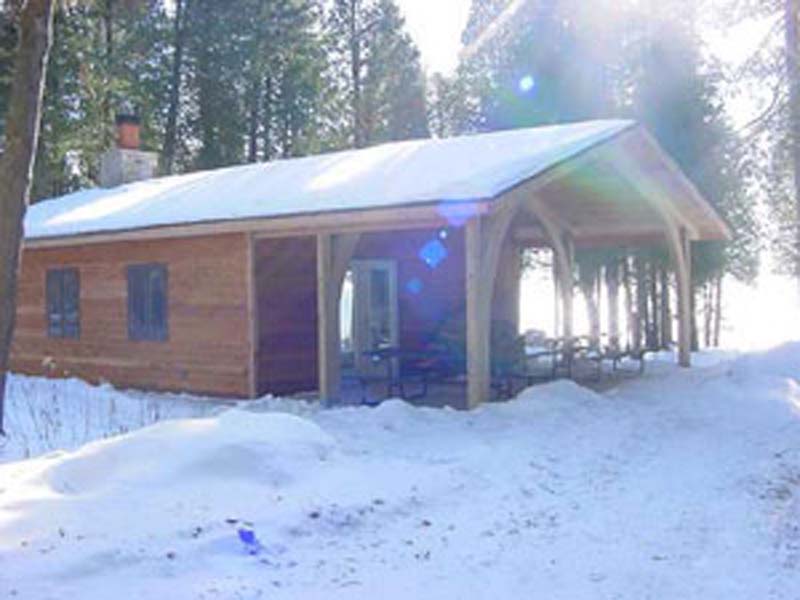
(431, 279)
(208, 347)
(286, 284)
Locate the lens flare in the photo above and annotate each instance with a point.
(414, 286)
(526, 84)
(433, 253)
(457, 213)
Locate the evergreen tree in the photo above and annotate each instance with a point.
(254, 80)
(8, 44)
(676, 97)
(377, 73)
(216, 31)
(548, 62)
(771, 77)
(529, 63)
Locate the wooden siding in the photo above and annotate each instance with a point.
(208, 350)
(286, 288)
(430, 295)
(208, 347)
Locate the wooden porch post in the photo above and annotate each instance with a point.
(334, 252)
(484, 239)
(680, 251)
(478, 325)
(252, 311)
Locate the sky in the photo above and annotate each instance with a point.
(436, 26)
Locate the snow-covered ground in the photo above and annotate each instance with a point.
(682, 484)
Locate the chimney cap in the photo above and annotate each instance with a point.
(128, 119)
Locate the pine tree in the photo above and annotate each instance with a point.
(176, 85)
(377, 72)
(8, 44)
(215, 33)
(548, 62)
(254, 80)
(563, 60)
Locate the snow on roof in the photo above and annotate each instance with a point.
(457, 169)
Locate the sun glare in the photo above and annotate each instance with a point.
(526, 84)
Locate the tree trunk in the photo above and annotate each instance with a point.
(654, 334)
(16, 163)
(171, 129)
(355, 74)
(587, 281)
(266, 118)
(718, 312)
(598, 294)
(707, 308)
(253, 117)
(666, 311)
(641, 323)
(630, 318)
(556, 299)
(108, 40)
(612, 290)
(792, 12)
(693, 316)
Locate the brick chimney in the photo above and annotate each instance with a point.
(128, 129)
(126, 162)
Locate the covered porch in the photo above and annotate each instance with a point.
(457, 265)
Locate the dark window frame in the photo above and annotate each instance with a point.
(63, 303)
(148, 302)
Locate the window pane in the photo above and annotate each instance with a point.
(136, 304)
(63, 303)
(158, 303)
(380, 310)
(147, 302)
(54, 304)
(70, 293)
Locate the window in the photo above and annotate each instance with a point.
(63, 303)
(147, 303)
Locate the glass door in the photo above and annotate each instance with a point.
(375, 312)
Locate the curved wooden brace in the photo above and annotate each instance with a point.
(334, 253)
(652, 193)
(484, 237)
(560, 240)
(678, 232)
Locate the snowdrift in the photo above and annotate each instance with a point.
(132, 480)
(783, 361)
(261, 449)
(681, 484)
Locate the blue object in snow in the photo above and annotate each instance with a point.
(249, 539)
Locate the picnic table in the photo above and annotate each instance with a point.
(401, 370)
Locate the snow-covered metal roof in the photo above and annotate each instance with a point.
(467, 168)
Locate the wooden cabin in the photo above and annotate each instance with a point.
(229, 282)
